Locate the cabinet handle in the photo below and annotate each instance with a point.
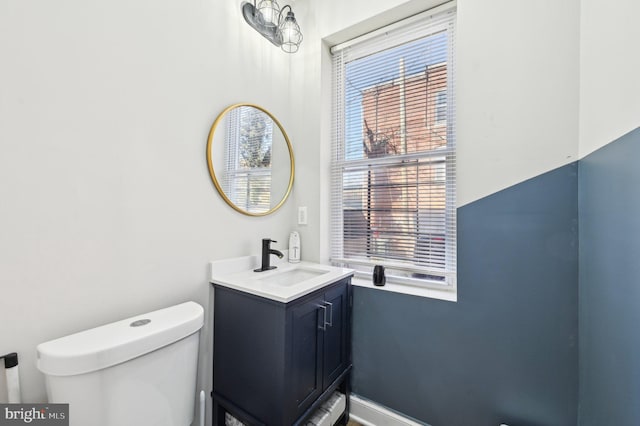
(323, 327)
(330, 323)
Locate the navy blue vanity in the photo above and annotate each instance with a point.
(275, 362)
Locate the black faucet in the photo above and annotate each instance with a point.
(267, 251)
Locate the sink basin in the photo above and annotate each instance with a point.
(287, 282)
(291, 276)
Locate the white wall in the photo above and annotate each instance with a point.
(106, 206)
(517, 77)
(609, 70)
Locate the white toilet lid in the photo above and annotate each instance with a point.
(120, 341)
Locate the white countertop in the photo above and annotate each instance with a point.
(287, 282)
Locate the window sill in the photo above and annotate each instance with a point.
(432, 293)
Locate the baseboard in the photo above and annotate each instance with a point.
(369, 413)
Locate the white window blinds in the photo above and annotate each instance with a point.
(393, 152)
(248, 142)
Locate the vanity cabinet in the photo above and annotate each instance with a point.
(275, 363)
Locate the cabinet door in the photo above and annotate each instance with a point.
(307, 322)
(335, 336)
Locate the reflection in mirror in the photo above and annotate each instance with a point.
(250, 159)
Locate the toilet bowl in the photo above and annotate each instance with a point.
(140, 371)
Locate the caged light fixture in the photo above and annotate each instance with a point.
(270, 20)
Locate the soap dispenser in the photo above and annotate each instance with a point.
(294, 247)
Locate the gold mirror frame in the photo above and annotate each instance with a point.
(213, 174)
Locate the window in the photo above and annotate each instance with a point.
(393, 152)
(248, 141)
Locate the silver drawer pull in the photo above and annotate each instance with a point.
(323, 327)
(330, 323)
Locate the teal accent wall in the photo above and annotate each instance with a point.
(609, 197)
(507, 351)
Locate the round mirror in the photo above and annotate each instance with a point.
(250, 159)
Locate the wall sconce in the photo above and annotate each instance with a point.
(267, 18)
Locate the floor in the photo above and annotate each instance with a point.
(352, 423)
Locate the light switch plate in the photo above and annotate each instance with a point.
(302, 215)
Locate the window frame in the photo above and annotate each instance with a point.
(339, 164)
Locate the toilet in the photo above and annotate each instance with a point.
(140, 371)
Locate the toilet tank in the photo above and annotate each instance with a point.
(140, 371)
